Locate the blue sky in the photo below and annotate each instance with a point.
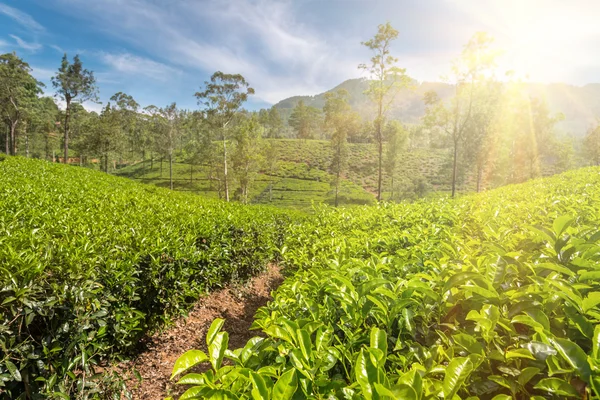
(161, 51)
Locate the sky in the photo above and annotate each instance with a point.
(160, 51)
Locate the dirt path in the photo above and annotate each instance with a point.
(236, 304)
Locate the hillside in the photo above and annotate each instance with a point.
(498, 285)
(490, 296)
(579, 104)
(91, 263)
(301, 175)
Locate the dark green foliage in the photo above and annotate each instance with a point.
(90, 263)
(492, 296)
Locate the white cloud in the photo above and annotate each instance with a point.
(22, 18)
(127, 63)
(42, 74)
(29, 46)
(88, 105)
(58, 48)
(262, 40)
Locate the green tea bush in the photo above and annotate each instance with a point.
(90, 263)
(491, 296)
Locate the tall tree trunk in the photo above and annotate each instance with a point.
(7, 140)
(338, 170)
(26, 140)
(161, 169)
(380, 150)
(392, 194)
(479, 175)
(171, 169)
(13, 138)
(337, 187)
(67, 116)
(191, 172)
(454, 166)
(225, 169)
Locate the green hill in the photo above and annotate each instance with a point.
(302, 176)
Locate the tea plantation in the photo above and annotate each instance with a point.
(493, 296)
(490, 296)
(90, 263)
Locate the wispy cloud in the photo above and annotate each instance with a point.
(22, 18)
(58, 48)
(262, 40)
(29, 46)
(42, 74)
(127, 63)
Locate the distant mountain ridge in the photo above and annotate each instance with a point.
(579, 104)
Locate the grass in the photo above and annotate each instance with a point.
(302, 174)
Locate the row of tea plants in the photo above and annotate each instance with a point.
(89, 263)
(492, 296)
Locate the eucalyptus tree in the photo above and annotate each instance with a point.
(41, 133)
(481, 132)
(397, 139)
(471, 69)
(386, 79)
(592, 145)
(171, 115)
(247, 156)
(165, 125)
(340, 120)
(73, 83)
(126, 110)
(305, 120)
(18, 95)
(221, 99)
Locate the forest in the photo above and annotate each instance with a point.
(490, 131)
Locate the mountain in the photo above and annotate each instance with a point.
(579, 104)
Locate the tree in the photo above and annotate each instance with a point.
(221, 99)
(165, 125)
(271, 156)
(73, 83)
(305, 120)
(272, 122)
(397, 138)
(386, 80)
(472, 68)
(247, 157)
(18, 94)
(192, 129)
(480, 138)
(42, 128)
(340, 120)
(126, 111)
(591, 145)
(171, 116)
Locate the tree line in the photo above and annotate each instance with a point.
(493, 131)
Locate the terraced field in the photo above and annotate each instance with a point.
(301, 177)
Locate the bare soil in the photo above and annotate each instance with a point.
(236, 304)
